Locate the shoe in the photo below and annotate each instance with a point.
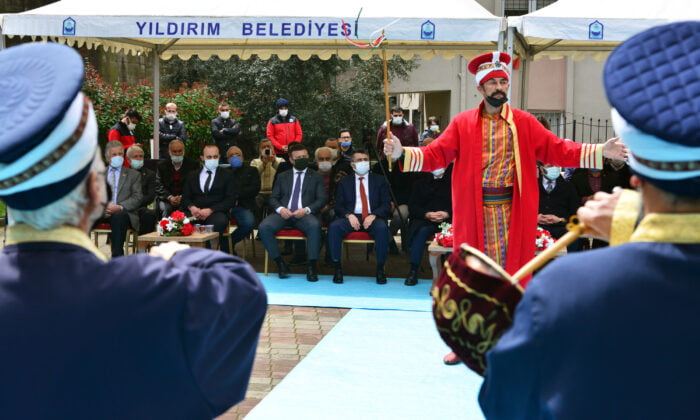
(381, 277)
(283, 270)
(311, 274)
(451, 359)
(412, 278)
(297, 260)
(338, 276)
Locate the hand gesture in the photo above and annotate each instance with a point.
(354, 222)
(368, 221)
(614, 148)
(299, 213)
(285, 213)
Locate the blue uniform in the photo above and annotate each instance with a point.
(137, 337)
(606, 334)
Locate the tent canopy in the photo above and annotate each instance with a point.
(595, 27)
(246, 27)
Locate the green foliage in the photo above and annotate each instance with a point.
(196, 107)
(325, 95)
(2, 209)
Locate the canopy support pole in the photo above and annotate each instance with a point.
(509, 50)
(2, 40)
(155, 143)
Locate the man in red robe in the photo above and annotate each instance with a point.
(494, 147)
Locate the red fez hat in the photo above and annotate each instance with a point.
(490, 65)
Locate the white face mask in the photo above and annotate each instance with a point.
(137, 164)
(324, 166)
(434, 127)
(116, 162)
(438, 172)
(171, 116)
(361, 167)
(131, 126)
(552, 172)
(177, 159)
(283, 112)
(211, 164)
(225, 114)
(397, 120)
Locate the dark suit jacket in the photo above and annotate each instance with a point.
(129, 193)
(379, 198)
(247, 181)
(148, 186)
(165, 185)
(220, 198)
(313, 191)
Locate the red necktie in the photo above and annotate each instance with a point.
(363, 198)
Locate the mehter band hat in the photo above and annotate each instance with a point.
(48, 131)
(652, 81)
(490, 65)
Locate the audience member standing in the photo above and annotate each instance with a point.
(170, 128)
(224, 129)
(123, 131)
(400, 128)
(283, 128)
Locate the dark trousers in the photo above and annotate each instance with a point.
(308, 224)
(420, 235)
(147, 220)
(119, 223)
(220, 222)
(246, 222)
(378, 230)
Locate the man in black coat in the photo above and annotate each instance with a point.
(209, 194)
(170, 177)
(429, 206)
(169, 129)
(558, 202)
(224, 129)
(247, 182)
(147, 216)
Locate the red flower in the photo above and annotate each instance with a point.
(187, 229)
(164, 223)
(177, 216)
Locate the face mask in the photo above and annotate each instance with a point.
(397, 120)
(552, 173)
(283, 113)
(177, 159)
(324, 166)
(211, 164)
(171, 117)
(617, 164)
(438, 172)
(361, 167)
(496, 101)
(236, 161)
(137, 164)
(346, 143)
(434, 127)
(116, 162)
(301, 164)
(131, 126)
(224, 114)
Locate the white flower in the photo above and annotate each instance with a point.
(186, 221)
(171, 226)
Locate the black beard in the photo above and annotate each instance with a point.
(497, 101)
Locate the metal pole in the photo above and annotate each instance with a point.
(156, 105)
(509, 50)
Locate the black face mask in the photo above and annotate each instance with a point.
(301, 164)
(496, 101)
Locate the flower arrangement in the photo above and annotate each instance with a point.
(543, 239)
(175, 225)
(444, 237)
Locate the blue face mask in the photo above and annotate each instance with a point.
(116, 162)
(236, 161)
(552, 172)
(346, 143)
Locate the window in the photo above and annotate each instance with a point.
(522, 7)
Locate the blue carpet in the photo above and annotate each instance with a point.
(356, 292)
(376, 365)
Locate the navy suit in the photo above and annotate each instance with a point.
(380, 205)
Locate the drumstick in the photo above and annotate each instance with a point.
(575, 230)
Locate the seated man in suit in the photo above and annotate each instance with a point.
(147, 216)
(209, 194)
(124, 198)
(247, 182)
(296, 200)
(362, 203)
(171, 175)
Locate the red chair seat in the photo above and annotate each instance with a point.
(291, 232)
(103, 226)
(233, 221)
(358, 236)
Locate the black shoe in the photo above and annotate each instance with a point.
(381, 277)
(311, 274)
(412, 278)
(297, 260)
(283, 270)
(338, 276)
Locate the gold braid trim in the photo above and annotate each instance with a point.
(624, 217)
(507, 115)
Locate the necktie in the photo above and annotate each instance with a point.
(550, 186)
(207, 183)
(363, 198)
(295, 193)
(113, 185)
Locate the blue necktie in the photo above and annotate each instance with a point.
(295, 193)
